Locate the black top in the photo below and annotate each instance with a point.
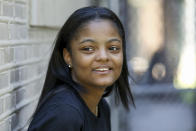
(66, 111)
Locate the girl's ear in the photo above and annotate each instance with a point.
(67, 57)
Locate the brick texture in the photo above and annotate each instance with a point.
(20, 11)
(4, 31)
(8, 9)
(4, 79)
(24, 53)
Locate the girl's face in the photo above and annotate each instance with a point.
(96, 54)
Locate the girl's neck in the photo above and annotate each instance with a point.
(92, 97)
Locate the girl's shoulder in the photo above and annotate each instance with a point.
(61, 110)
(63, 97)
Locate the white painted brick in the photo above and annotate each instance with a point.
(9, 0)
(14, 121)
(19, 53)
(8, 55)
(21, 1)
(5, 125)
(1, 106)
(2, 56)
(27, 91)
(9, 101)
(18, 32)
(24, 73)
(45, 50)
(4, 31)
(15, 75)
(4, 79)
(20, 11)
(40, 68)
(8, 9)
(36, 88)
(29, 52)
(24, 114)
(20, 95)
(37, 70)
(23, 31)
(42, 34)
(36, 51)
(21, 119)
(32, 70)
(42, 50)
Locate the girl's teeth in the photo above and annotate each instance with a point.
(102, 69)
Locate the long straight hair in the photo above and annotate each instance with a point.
(58, 70)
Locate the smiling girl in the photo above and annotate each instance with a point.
(87, 63)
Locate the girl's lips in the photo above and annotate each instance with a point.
(103, 70)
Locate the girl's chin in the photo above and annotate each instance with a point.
(104, 84)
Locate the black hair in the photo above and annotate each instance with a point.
(58, 69)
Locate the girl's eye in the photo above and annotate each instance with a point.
(88, 49)
(114, 48)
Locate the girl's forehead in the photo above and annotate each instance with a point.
(97, 25)
(97, 22)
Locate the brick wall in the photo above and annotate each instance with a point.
(24, 53)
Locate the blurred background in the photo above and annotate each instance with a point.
(161, 52)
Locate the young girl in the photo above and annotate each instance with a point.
(87, 63)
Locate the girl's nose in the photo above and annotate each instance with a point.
(102, 55)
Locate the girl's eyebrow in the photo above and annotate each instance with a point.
(87, 40)
(114, 39)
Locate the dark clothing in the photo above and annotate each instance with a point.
(66, 111)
